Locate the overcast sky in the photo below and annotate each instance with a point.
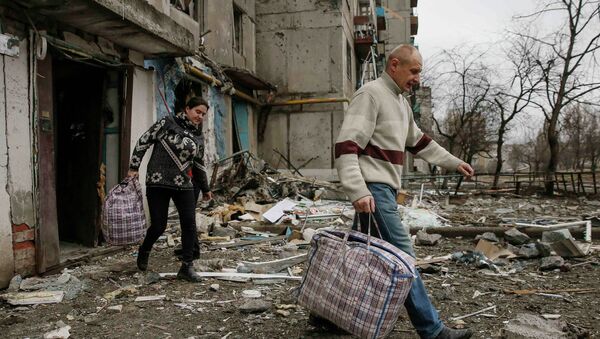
(444, 24)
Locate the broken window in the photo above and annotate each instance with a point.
(237, 30)
(186, 6)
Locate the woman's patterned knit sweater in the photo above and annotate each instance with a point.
(176, 160)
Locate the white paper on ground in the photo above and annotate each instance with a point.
(277, 211)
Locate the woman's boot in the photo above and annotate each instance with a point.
(187, 272)
(142, 259)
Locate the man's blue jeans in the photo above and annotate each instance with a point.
(423, 315)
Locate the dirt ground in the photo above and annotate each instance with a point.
(457, 289)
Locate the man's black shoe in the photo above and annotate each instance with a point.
(451, 333)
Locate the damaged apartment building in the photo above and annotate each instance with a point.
(83, 79)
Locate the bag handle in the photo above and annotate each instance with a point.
(126, 181)
(347, 235)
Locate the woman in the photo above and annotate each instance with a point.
(175, 171)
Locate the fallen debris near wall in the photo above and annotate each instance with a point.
(252, 265)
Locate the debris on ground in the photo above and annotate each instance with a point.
(426, 239)
(532, 326)
(254, 242)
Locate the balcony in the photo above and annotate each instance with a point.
(414, 24)
(134, 24)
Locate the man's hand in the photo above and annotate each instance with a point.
(132, 173)
(364, 205)
(466, 170)
(207, 196)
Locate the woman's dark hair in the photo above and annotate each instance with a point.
(196, 101)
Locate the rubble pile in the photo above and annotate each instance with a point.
(531, 270)
(244, 175)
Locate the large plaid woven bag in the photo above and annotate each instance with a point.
(356, 281)
(123, 217)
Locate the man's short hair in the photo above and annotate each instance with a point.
(402, 53)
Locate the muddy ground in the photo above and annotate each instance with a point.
(457, 289)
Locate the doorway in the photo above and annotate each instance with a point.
(81, 113)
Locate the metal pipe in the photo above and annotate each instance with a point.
(309, 101)
(472, 231)
(246, 97)
(214, 81)
(206, 77)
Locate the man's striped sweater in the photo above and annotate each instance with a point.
(378, 127)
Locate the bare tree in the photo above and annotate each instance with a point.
(591, 140)
(567, 62)
(518, 156)
(464, 80)
(581, 138)
(574, 128)
(514, 97)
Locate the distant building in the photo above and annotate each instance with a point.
(318, 53)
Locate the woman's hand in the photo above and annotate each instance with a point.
(207, 196)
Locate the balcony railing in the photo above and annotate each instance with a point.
(414, 24)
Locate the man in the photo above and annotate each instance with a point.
(377, 129)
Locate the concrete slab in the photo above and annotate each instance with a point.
(271, 50)
(312, 139)
(275, 138)
(219, 17)
(307, 62)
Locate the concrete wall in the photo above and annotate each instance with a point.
(19, 141)
(6, 244)
(301, 47)
(143, 115)
(219, 42)
(397, 17)
(19, 138)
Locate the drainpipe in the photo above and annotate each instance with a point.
(218, 83)
(309, 101)
(206, 77)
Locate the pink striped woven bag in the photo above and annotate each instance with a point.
(123, 217)
(356, 281)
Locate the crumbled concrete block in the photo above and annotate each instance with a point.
(556, 235)
(526, 326)
(254, 306)
(489, 236)
(515, 237)
(544, 248)
(426, 239)
(551, 263)
(529, 251)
